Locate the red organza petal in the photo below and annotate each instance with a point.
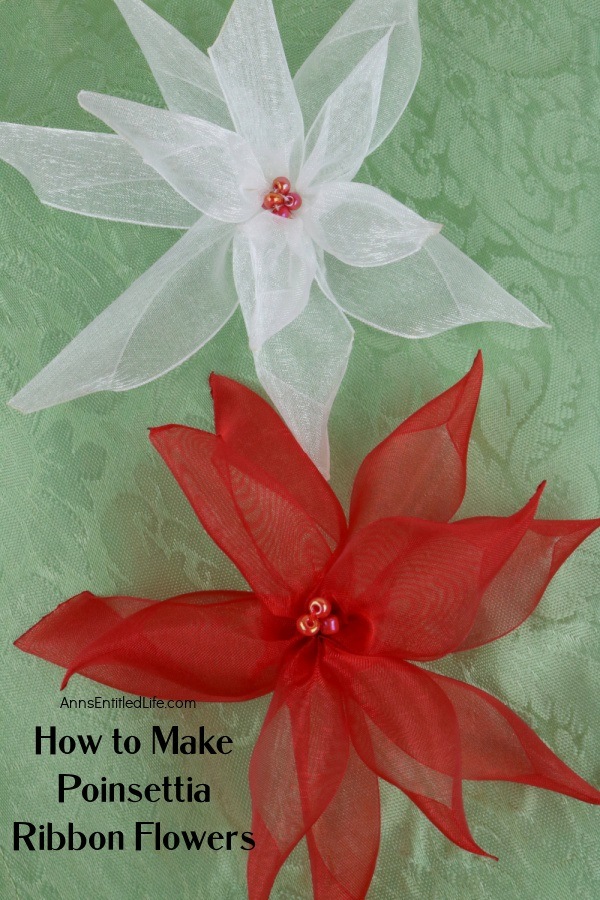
(275, 544)
(297, 765)
(213, 645)
(450, 821)
(520, 584)
(252, 428)
(420, 469)
(344, 842)
(412, 587)
(412, 741)
(61, 634)
(497, 745)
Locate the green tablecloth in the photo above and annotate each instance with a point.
(500, 143)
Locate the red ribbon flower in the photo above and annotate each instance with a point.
(337, 621)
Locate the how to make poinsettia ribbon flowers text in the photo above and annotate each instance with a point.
(338, 620)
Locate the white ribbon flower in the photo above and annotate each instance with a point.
(237, 130)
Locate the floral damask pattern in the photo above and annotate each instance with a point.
(500, 144)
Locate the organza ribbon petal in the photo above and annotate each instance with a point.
(344, 842)
(420, 469)
(264, 530)
(413, 588)
(297, 766)
(431, 291)
(450, 819)
(166, 315)
(362, 226)
(274, 264)
(301, 369)
(412, 742)
(251, 427)
(339, 139)
(514, 593)
(183, 73)
(214, 169)
(364, 24)
(201, 646)
(97, 175)
(497, 745)
(250, 64)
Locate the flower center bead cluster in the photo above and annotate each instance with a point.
(282, 200)
(318, 619)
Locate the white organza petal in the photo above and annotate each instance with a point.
(183, 73)
(359, 29)
(97, 175)
(171, 311)
(362, 225)
(214, 169)
(434, 290)
(274, 265)
(341, 134)
(301, 369)
(250, 64)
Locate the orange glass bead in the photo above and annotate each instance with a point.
(273, 199)
(319, 607)
(331, 625)
(282, 185)
(308, 625)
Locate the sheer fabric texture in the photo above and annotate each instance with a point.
(235, 121)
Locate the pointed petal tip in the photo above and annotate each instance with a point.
(156, 432)
(477, 366)
(532, 504)
(220, 386)
(474, 376)
(473, 847)
(428, 230)
(15, 405)
(533, 321)
(213, 384)
(592, 795)
(24, 401)
(530, 508)
(219, 383)
(21, 643)
(89, 100)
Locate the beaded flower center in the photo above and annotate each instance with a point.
(318, 619)
(281, 199)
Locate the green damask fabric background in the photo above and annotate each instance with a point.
(500, 143)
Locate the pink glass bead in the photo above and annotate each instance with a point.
(283, 212)
(330, 625)
(293, 201)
